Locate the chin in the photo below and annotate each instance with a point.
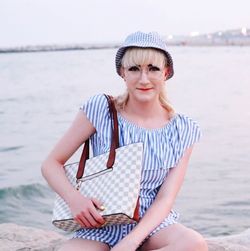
(145, 97)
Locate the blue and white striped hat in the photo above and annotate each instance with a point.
(144, 40)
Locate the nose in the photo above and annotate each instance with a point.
(144, 77)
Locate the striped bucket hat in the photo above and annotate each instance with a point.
(144, 40)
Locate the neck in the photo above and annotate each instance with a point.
(144, 109)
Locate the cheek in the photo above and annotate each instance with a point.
(160, 86)
(129, 82)
(159, 82)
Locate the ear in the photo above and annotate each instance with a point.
(166, 72)
(122, 73)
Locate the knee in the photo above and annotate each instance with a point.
(201, 244)
(197, 243)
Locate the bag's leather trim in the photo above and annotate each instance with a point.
(136, 216)
(104, 215)
(114, 141)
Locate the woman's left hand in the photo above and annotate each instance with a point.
(125, 245)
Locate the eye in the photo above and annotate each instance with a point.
(153, 68)
(133, 68)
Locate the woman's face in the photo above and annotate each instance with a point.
(144, 82)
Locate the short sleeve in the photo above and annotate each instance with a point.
(185, 133)
(96, 110)
(189, 132)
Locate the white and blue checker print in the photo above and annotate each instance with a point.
(101, 182)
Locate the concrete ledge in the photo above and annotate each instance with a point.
(15, 237)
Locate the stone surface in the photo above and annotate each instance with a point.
(237, 242)
(14, 237)
(19, 238)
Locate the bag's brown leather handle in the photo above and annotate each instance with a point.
(114, 141)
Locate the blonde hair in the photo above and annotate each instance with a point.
(144, 56)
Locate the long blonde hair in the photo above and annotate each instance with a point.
(144, 56)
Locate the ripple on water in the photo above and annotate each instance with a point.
(10, 148)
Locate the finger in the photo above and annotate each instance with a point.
(96, 215)
(90, 220)
(80, 220)
(98, 204)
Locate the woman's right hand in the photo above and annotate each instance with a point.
(84, 210)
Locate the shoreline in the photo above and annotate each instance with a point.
(48, 48)
(53, 48)
(233, 37)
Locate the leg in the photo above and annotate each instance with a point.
(84, 245)
(175, 237)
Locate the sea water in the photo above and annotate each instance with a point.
(40, 94)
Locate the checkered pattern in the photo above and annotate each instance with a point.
(118, 188)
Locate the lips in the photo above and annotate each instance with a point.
(144, 89)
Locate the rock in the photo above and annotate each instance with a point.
(19, 238)
(14, 237)
(237, 242)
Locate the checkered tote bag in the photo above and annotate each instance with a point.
(113, 178)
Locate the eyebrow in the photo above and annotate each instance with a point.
(147, 65)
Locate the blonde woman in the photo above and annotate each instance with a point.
(144, 115)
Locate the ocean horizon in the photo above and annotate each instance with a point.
(232, 37)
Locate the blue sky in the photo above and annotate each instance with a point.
(78, 21)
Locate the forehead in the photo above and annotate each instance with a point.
(143, 56)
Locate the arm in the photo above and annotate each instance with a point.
(82, 208)
(161, 206)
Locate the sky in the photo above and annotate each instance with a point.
(32, 22)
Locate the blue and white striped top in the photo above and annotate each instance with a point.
(163, 147)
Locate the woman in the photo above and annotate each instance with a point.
(144, 115)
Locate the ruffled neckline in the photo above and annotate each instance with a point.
(134, 125)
